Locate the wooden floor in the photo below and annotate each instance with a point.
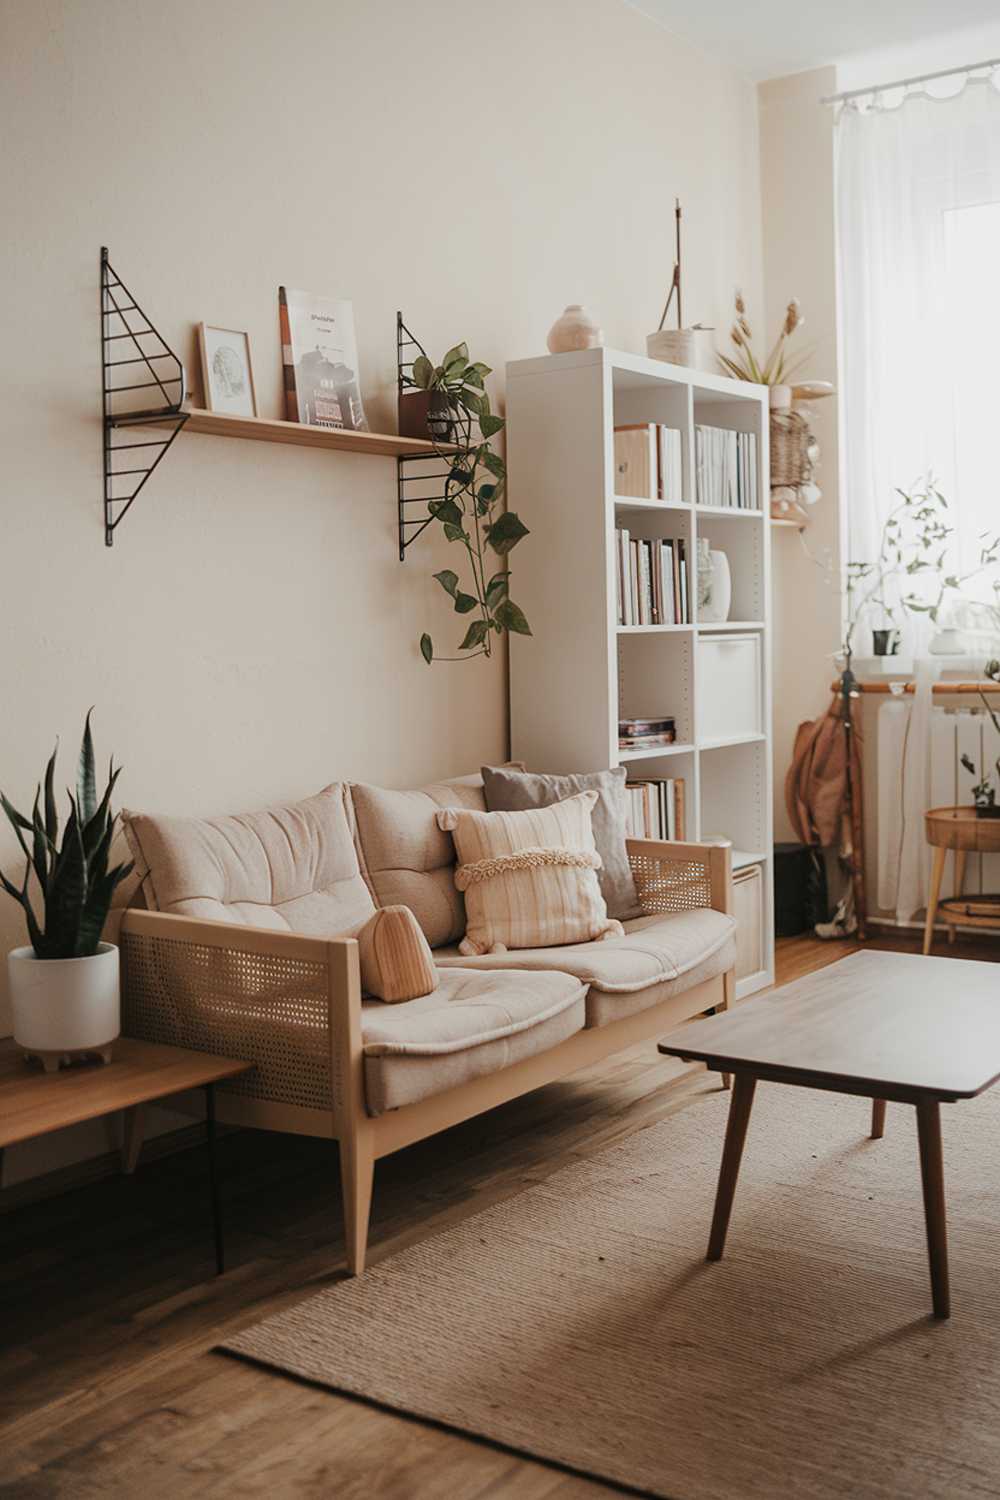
(109, 1310)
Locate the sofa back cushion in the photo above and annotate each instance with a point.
(407, 859)
(294, 868)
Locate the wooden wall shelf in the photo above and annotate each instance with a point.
(136, 357)
(266, 430)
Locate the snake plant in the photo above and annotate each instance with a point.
(73, 878)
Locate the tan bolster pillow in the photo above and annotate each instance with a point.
(396, 962)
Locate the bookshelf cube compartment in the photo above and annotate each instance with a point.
(743, 539)
(639, 402)
(733, 795)
(656, 678)
(654, 524)
(730, 688)
(680, 770)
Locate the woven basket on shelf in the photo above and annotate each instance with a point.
(793, 450)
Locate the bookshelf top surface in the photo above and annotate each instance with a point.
(633, 371)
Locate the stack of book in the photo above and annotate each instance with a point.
(655, 808)
(648, 462)
(726, 468)
(651, 581)
(644, 734)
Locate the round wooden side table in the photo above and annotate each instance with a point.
(959, 829)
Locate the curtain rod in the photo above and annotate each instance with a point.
(905, 83)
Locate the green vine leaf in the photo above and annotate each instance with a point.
(505, 533)
(496, 589)
(455, 533)
(490, 424)
(475, 635)
(422, 372)
(445, 510)
(495, 464)
(511, 617)
(458, 355)
(465, 602)
(426, 648)
(448, 581)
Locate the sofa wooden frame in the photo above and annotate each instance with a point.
(156, 964)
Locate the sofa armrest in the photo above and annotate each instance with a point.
(681, 877)
(289, 1004)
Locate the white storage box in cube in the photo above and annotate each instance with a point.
(729, 687)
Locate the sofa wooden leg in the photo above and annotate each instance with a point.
(357, 1173)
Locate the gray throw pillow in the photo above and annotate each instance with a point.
(518, 791)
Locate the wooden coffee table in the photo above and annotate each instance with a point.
(887, 1026)
(33, 1102)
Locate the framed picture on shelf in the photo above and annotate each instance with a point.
(227, 372)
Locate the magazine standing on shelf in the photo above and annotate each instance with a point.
(320, 359)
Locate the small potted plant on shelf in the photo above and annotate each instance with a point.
(64, 985)
(432, 392)
(983, 792)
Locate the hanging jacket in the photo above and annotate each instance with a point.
(816, 784)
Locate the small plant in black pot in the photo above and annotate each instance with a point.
(984, 792)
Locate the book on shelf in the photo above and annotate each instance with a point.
(648, 462)
(726, 468)
(319, 359)
(642, 734)
(655, 808)
(651, 580)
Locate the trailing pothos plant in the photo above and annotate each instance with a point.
(471, 510)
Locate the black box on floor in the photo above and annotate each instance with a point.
(799, 889)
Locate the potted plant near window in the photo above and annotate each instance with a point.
(64, 985)
(984, 793)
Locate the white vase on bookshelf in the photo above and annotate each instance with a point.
(715, 585)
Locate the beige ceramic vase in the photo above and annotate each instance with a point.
(576, 329)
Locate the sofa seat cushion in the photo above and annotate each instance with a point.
(473, 1024)
(679, 950)
(292, 867)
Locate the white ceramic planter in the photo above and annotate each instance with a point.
(693, 347)
(64, 1004)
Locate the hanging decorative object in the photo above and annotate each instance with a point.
(692, 347)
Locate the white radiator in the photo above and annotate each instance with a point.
(953, 732)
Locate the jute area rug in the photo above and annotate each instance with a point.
(579, 1323)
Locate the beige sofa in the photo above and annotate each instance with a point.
(227, 946)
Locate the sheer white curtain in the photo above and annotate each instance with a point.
(918, 214)
(918, 225)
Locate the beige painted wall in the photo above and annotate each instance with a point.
(796, 144)
(251, 635)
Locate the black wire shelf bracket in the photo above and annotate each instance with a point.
(421, 478)
(134, 357)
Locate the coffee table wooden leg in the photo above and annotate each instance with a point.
(732, 1152)
(132, 1134)
(940, 855)
(932, 1175)
(878, 1119)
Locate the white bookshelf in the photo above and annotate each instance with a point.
(580, 670)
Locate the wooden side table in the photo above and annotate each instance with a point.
(958, 829)
(33, 1102)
